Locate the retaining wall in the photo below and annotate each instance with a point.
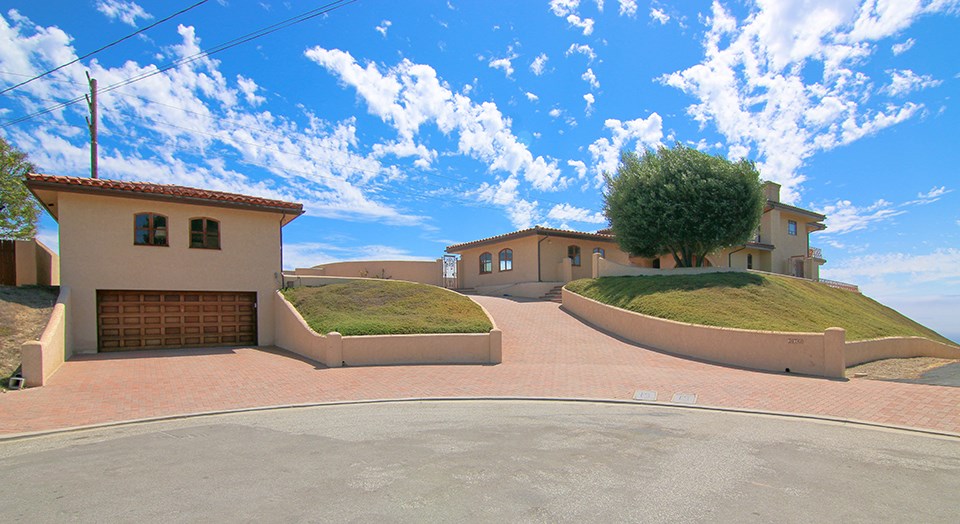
(819, 354)
(335, 350)
(861, 351)
(40, 359)
(422, 271)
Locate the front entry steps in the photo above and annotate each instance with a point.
(554, 295)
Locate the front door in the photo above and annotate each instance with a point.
(798, 267)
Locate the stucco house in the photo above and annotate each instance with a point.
(163, 266)
(531, 262)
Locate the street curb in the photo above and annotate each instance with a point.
(668, 405)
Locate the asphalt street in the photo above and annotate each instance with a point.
(519, 461)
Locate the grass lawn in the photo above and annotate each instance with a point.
(384, 307)
(752, 301)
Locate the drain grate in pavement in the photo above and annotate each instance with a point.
(642, 394)
(685, 398)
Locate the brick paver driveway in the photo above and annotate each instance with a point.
(546, 353)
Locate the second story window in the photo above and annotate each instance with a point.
(599, 250)
(792, 227)
(149, 229)
(506, 260)
(573, 253)
(486, 263)
(204, 233)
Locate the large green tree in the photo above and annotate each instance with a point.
(19, 211)
(683, 202)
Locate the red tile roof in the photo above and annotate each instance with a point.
(536, 230)
(164, 191)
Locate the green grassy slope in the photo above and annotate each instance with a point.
(382, 307)
(752, 301)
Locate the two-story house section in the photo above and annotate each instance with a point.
(162, 266)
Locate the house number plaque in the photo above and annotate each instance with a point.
(794, 341)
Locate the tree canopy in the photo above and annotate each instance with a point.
(683, 202)
(19, 211)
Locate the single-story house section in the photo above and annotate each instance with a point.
(531, 261)
(164, 266)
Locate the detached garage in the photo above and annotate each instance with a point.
(156, 266)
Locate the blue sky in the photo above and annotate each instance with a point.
(404, 127)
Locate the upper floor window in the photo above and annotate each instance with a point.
(486, 263)
(599, 250)
(573, 253)
(792, 227)
(506, 260)
(149, 229)
(204, 233)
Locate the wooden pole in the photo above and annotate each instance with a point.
(92, 125)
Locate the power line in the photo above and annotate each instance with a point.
(111, 44)
(303, 17)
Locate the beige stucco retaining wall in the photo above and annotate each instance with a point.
(608, 268)
(42, 358)
(36, 264)
(807, 353)
(335, 350)
(520, 289)
(860, 351)
(422, 271)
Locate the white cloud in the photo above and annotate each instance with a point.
(586, 24)
(590, 78)
(126, 12)
(583, 49)
(504, 64)
(930, 196)
(176, 128)
(750, 83)
(249, 89)
(564, 8)
(539, 63)
(531, 97)
(410, 95)
(589, 98)
(942, 265)
(383, 27)
(580, 166)
(628, 8)
(902, 47)
(309, 254)
(642, 133)
(555, 112)
(904, 82)
(659, 15)
(569, 213)
(522, 213)
(845, 217)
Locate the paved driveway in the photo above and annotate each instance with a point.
(546, 353)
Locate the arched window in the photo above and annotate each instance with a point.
(599, 250)
(749, 261)
(149, 229)
(204, 233)
(486, 263)
(506, 259)
(573, 253)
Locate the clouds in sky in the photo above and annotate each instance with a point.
(750, 84)
(126, 12)
(539, 64)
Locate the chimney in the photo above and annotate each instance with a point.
(771, 190)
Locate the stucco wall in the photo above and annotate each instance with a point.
(41, 358)
(334, 350)
(97, 252)
(807, 353)
(607, 268)
(861, 351)
(424, 272)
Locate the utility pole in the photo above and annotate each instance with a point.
(92, 123)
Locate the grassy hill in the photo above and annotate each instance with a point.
(386, 307)
(753, 301)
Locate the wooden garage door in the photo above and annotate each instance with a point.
(129, 320)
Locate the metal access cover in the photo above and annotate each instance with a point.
(685, 398)
(645, 395)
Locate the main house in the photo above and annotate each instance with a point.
(531, 261)
(164, 266)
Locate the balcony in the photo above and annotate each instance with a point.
(814, 252)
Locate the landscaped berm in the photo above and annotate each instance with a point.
(753, 301)
(384, 307)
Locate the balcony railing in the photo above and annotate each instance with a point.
(840, 285)
(814, 252)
